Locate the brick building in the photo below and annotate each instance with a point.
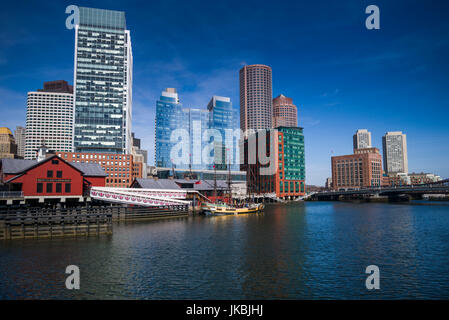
(358, 170)
(120, 168)
(284, 112)
(288, 177)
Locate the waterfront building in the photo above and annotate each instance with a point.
(221, 118)
(288, 177)
(119, 168)
(401, 179)
(256, 97)
(8, 146)
(52, 178)
(361, 169)
(201, 174)
(169, 117)
(19, 135)
(362, 139)
(49, 118)
(423, 178)
(285, 113)
(395, 152)
(103, 82)
(198, 123)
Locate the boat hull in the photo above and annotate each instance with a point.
(221, 211)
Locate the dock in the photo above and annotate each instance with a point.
(45, 223)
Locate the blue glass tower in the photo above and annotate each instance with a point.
(169, 117)
(221, 118)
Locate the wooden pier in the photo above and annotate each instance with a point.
(123, 214)
(37, 223)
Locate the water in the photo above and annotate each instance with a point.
(313, 250)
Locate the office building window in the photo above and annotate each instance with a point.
(50, 187)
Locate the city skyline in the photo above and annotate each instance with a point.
(336, 93)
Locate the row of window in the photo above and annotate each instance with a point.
(49, 187)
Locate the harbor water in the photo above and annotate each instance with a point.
(307, 250)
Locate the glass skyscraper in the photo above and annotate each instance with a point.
(171, 116)
(221, 118)
(198, 123)
(103, 82)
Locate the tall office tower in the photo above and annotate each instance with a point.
(221, 119)
(362, 139)
(199, 121)
(284, 112)
(256, 97)
(8, 146)
(169, 117)
(49, 119)
(19, 134)
(103, 82)
(395, 152)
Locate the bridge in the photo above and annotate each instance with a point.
(140, 197)
(414, 191)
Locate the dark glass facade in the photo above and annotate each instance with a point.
(103, 81)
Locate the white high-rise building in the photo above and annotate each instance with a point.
(362, 139)
(395, 152)
(103, 82)
(19, 135)
(49, 119)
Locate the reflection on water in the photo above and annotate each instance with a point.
(314, 250)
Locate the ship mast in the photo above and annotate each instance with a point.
(215, 183)
(229, 183)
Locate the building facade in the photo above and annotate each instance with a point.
(49, 118)
(169, 117)
(19, 135)
(221, 118)
(256, 97)
(359, 170)
(395, 152)
(288, 177)
(103, 82)
(119, 168)
(172, 119)
(51, 177)
(362, 139)
(285, 113)
(8, 146)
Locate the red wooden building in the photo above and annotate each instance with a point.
(51, 177)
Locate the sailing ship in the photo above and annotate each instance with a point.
(226, 208)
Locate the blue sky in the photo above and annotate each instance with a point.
(341, 76)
